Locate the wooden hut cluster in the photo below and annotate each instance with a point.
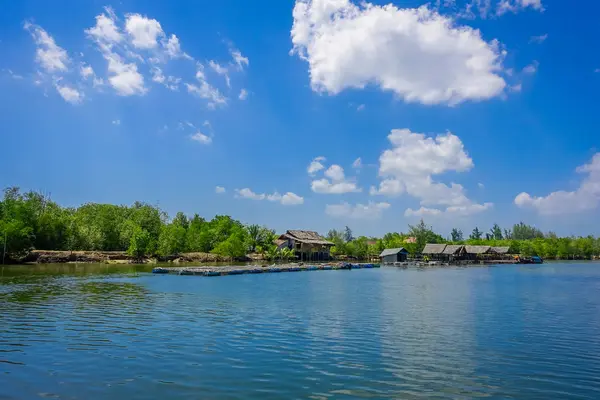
(455, 253)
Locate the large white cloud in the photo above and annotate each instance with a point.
(418, 54)
(412, 162)
(359, 211)
(584, 198)
(144, 31)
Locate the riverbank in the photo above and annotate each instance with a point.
(113, 257)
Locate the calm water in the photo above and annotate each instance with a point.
(499, 332)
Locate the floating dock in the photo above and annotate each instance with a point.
(256, 269)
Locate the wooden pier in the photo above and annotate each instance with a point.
(257, 269)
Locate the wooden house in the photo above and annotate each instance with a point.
(434, 251)
(454, 252)
(308, 245)
(389, 256)
(476, 252)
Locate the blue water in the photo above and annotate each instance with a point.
(527, 332)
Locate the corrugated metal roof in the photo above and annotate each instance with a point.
(434, 248)
(391, 252)
(477, 249)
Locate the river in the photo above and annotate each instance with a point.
(115, 332)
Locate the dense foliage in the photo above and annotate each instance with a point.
(32, 221)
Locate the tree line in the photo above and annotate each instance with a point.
(32, 220)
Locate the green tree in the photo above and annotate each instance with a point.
(172, 239)
(424, 234)
(457, 235)
(139, 243)
(476, 234)
(496, 232)
(348, 235)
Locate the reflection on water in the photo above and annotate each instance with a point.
(119, 332)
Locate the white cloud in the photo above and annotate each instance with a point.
(414, 154)
(360, 107)
(515, 6)
(357, 164)
(124, 77)
(388, 187)
(51, 57)
(116, 122)
(452, 211)
(105, 31)
(326, 187)
(315, 166)
(221, 70)
(247, 193)
(516, 88)
(219, 189)
(359, 211)
(481, 185)
(86, 71)
(239, 59)
(157, 75)
(418, 54)
(422, 212)
(335, 173)
(531, 68)
(201, 138)
(144, 32)
(69, 94)
(173, 48)
(13, 75)
(243, 94)
(586, 197)
(206, 90)
(538, 39)
(336, 184)
(413, 160)
(288, 199)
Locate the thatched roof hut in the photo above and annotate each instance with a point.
(434, 249)
(500, 250)
(477, 249)
(454, 249)
(308, 237)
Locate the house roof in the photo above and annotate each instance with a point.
(391, 252)
(434, 248)
(477, 249)
(501, 250)
(307, 237)
(452, 249)
(279, 242)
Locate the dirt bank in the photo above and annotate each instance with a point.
(113, 257)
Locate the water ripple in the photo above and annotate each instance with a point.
(375, 334)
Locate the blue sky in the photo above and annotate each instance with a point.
(461, 112)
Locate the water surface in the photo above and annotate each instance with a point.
(115, 332)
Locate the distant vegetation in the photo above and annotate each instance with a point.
(521, 239)
(32, 221)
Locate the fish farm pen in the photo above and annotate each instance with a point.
(256, 269)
